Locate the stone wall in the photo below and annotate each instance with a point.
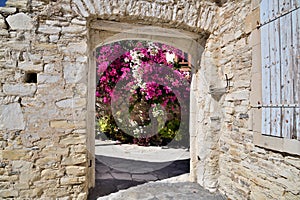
(248, 171)
(43, 94)
(46, 88)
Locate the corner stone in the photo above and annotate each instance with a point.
(20, 21)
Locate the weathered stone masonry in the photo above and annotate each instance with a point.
(45, 105)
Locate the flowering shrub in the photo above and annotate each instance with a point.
(136, 84)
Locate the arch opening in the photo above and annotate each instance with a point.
(156, 35)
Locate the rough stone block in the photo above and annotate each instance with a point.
(73, 29)
(21, 186)
(17, 45)
(54, 149)
(80, 48)
(71, 103)
(71, 180)
(75, 170)
(77, 21)
(289, 185)
(81, 89)
(48, 161)
(8, 193)
(21, 4)
(4, 32)
(242, 84)
(32, 193)
(30, 66)
(62, 124)
(292, 161)
(238, 95)
(49, 174)
(47, 78)
(8, 10)
(13, 154)
(11, 117)
(74, 160)
(49, 29)
(6, 178)
(2, 23)
(82, 59)
(21, 164)
(53, 38)
(25, 89)
(82, 196)
(20, 21)
(29, 176)
(74, 72)
(73, 140)
(79, 149)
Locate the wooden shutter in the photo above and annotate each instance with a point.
(280, 48)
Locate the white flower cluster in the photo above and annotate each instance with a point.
(153, 49)
(170, 57)
(158, 111)
(136, 70)
(138, 131)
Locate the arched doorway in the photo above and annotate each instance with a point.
(183, 41)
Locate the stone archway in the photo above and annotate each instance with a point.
(109, 32)
(194, 17)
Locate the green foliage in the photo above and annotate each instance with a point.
(104, 124)
(170, 131)
(108, 126)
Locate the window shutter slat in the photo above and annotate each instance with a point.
(287, 122)
(274, 49)
(287, 86)
(296, 53)
(273, 9)
(264, 11)
(266, 114)
(286, 52)
(296, 64)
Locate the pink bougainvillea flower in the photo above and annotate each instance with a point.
(105, 100)
(102, 67)
(97, 94)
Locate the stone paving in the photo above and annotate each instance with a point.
(164, 191)
(123, 166)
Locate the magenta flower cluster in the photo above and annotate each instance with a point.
(151, 74)
(116, 62)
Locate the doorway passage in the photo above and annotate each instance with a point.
(146, 138)
(118, 163)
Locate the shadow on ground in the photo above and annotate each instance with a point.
(114, 174)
